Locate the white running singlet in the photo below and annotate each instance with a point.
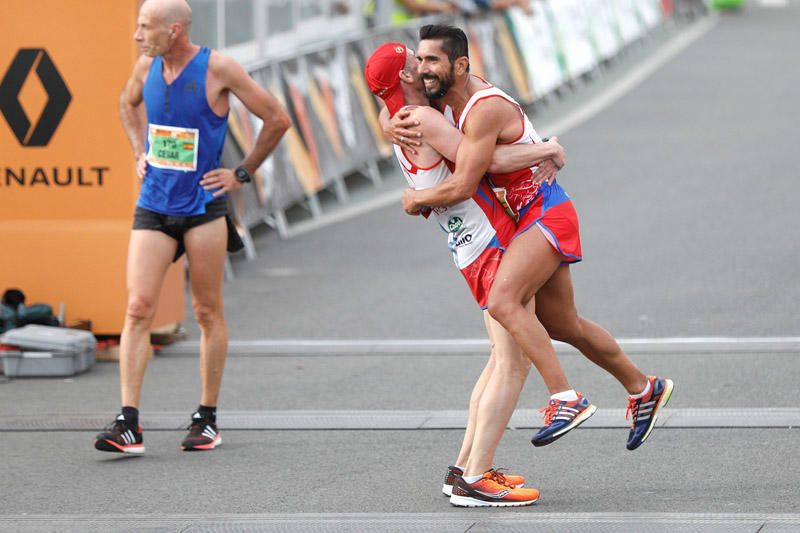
(469, 230)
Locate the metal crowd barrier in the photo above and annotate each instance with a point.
(335, 133)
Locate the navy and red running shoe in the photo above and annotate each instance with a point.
(644, 411)
(561, 416)
(120, 437)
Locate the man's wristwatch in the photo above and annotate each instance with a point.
(242, 176)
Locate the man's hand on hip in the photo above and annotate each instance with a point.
(220, 180)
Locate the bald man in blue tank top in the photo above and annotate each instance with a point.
(182, 205)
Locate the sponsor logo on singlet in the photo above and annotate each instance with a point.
(464, 240)
(454, 224)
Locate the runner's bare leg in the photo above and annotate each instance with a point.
(527, 265)
(497, 403)
(477, 392)
(150, 254)
(555, 307)
(206, 247)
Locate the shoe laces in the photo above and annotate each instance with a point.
(499, 477)
(196, 425)
(117, 426)
(633, 409)
(550, 412)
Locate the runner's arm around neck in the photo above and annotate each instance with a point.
(445, 139)
(511, 157)
(486, 121)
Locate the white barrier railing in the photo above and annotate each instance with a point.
(335, 131)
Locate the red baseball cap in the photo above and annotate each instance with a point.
(383, 74)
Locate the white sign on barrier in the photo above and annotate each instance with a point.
(337, 72)
(603, 28)
(629, 27)
(650, 12)
(572, 28)
(537, 44)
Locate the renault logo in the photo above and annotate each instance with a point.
(58, 97)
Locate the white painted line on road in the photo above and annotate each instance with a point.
(581, 114)
(642, 346)
(300, 419)
(452, 521)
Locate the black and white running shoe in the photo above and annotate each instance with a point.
(203, 434)
(120, 437)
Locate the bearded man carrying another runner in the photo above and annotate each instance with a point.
(534, 271)
(478, 228)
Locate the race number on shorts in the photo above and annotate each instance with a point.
(173, 148)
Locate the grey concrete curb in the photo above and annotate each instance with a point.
(666, 345)
(777, 418)
(514, 520)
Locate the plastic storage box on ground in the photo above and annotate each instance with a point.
(47, 351)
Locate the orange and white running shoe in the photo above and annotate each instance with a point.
(454, 471)
(492, 490)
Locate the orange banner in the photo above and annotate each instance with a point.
(67, 180)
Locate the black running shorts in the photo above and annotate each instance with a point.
(176, 227)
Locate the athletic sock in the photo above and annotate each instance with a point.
(471, 479)
(208, 412)
(643, 393)
(565, 396)
(131, 415)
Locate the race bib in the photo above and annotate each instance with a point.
(173, 148)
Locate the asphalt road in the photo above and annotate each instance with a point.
(685, 189)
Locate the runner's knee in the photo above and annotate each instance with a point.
(503, 308)
(140, 308)
(206, 314)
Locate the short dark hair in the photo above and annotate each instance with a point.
(454, 40)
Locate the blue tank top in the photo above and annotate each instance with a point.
(184, 139)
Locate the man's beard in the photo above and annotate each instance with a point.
(444, 84)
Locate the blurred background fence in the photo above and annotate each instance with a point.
(310, 54)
